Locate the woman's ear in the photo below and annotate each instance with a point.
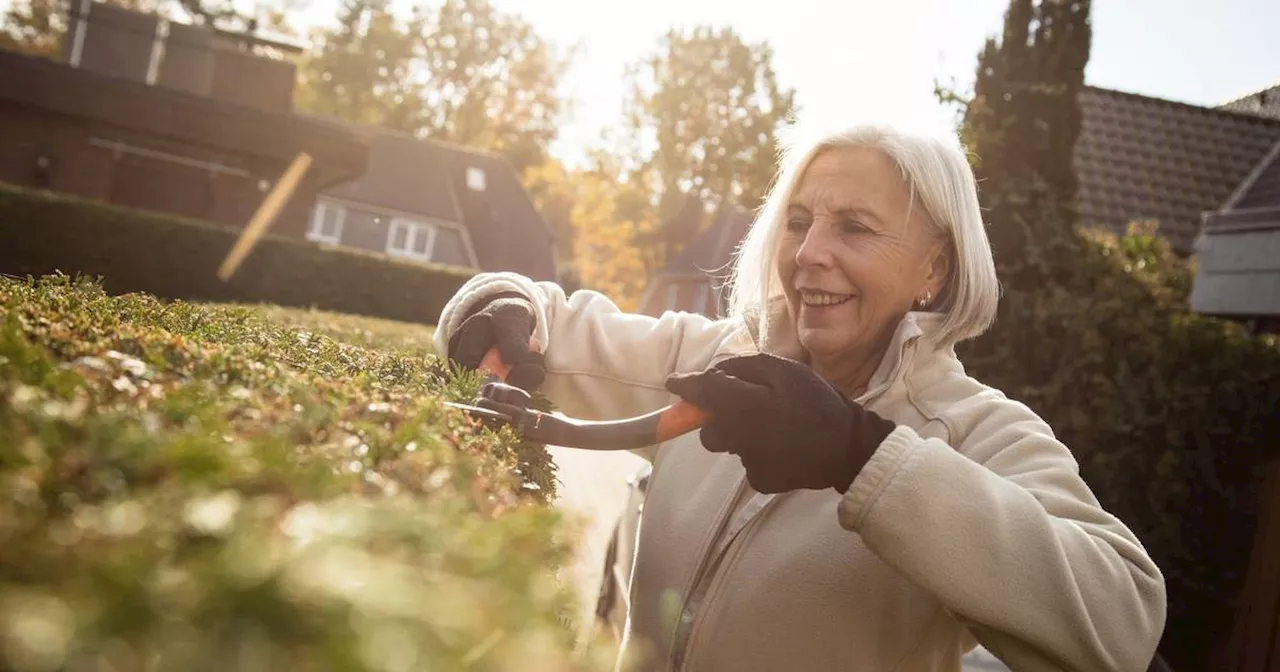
(939, 270)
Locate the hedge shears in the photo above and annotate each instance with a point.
(501, 404)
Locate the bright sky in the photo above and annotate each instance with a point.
(851, 58)
(877, 57)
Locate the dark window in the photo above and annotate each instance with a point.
(449, 248)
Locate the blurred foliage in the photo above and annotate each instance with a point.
(177, 258)
(700, 128)
(192, 488)
(598, 220)
(702, 121)
(35, 27)
(1172, 415)
(461, 71)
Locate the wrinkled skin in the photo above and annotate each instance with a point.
(847, 233)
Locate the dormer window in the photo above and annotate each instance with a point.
(475, 179)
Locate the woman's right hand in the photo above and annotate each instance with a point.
(507, 321)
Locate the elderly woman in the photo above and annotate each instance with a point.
(858, 501)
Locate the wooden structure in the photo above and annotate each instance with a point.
(1254, 645)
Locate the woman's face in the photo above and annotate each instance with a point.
(850, 261)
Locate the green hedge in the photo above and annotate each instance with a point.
(191, 487)
(1171, 414)
(175, 258)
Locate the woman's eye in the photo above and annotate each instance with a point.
(796, 224)
(852, 226)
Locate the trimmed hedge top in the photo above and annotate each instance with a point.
(188, 487)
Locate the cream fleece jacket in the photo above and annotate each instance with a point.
(970, 522)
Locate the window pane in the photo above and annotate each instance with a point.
(329, 224)
(421, 236)
(475, 179)
(449, 248)
(399, 236)
(318, 215)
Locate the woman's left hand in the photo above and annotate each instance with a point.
(790, 427)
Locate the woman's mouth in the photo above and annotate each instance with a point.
(813, 299)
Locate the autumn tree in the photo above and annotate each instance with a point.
(710, 106)
(34, 27)
(362, 70)
(597, 217)
(462, 72)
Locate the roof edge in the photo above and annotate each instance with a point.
(395, 133)
(1269, 121)
(442, 144)
(1245, 185)
(1269, 87)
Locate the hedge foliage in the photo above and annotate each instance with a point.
(1172, 415)
(171, 257)
(187, 487)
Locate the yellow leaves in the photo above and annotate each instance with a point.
(597, 233)
(605, 252)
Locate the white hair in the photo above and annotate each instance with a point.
(938, 178)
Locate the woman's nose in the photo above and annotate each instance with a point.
(815, 249)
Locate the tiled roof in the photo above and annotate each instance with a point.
(1147, 158)
(1263, 102)
(1262, 190)
(403, 175)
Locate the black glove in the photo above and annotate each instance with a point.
(505, 320)
(791, 428)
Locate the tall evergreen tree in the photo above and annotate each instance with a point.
(1022, 124)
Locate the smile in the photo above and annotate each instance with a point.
(822, 299)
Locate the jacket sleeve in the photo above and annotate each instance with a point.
(1000, 526)
(602, 363)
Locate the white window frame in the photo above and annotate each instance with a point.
(415, 228)
(700, 300)
(673, 296)
(316, 231)
(392, 215)
(476, 178)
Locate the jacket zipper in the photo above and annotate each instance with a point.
(725, 537)
(680, 639)
(722, 560)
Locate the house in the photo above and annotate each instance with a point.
(435, 201)
(163, 117)
(1238, 251)
(1144, 158)
(158, 115)
(694, 280)
(1238, 255)
(1137, 158)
